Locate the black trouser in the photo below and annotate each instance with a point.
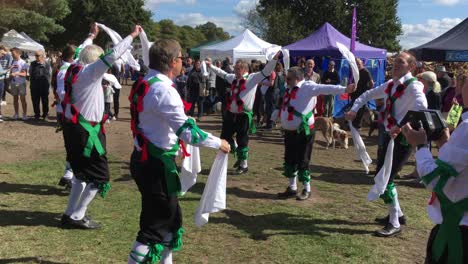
(269, 105)
(444, 258)
(358, 120)
(93, 169)
(328, 103)
(197, 100)
(6, 88)
(258, 106)
(40, 94)
(160, 212)
(107, 110)
(116, 102)
(298, 148)
(401, 153)
(236, 123)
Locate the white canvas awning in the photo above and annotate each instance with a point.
(13, 39)
(244, 46)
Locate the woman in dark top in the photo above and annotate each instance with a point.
(181, 84)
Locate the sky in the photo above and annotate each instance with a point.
(422, 20)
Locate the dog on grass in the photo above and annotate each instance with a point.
(371, 119)
(325, 125)
(340, 135)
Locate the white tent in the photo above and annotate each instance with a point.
(13, 39)
(245, 46)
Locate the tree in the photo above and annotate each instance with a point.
(37, 18)
(116, 14)
(286, 21)
(212, 32)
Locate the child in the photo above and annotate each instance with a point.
(108, 95)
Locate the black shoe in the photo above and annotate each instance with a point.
(85, 223)
(236, 165)
(385, 220)
(241, 170)
(289, 193)
(388, 231)
(304, 195)
(65, 182)
(65, 220)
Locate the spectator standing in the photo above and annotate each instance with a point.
(442, 77)
(114, 95)
(431, 89)
(211, 88)
(5, 61)
(365, 83)
(196, 86)
(330, 77)
(181, 84)
(453, 95)
(188, 65)
(270, 97)
(19, 71)
(40, 73)
(220, 85)
(309, 73)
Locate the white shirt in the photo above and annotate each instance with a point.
(19, 66)
(163, 114)
(455, 153)
(63, 70)
(412, 99)
(87, 93)
(248, 95)
(112, 80)
(305, 101)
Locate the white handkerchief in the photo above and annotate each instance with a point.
(360, 147)
(381, 179)
(127, 57)
(191, 166)
(145, 46)
(286, 58)
(349, 56)
(204, 69)
(214, 195)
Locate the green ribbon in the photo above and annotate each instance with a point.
(304, 176)
(242, 153)
(197, 134)
(170, 169)
(93, 138)
(252, 128)
(104, 188)
(77, 53)
(389, 195)
(64, 67)
(176, 243)
(103, 58)
(304, 126)
(154, 253)
(289, 170)
(449, 234)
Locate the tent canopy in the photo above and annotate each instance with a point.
(13, 39)
(195, 51)
(323, 43)
(246, 46)
(450, 46)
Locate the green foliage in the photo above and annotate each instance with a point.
(285, 21)
(117, 14)
(187, 36)
(37, 18)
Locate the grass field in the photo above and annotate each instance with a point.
(334, 227)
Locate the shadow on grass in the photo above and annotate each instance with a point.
(28, 218)
(287, 224)
(241, 193)
(29, 260)
(341, 176)
(6, 188)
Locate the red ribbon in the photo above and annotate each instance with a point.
(184, 149)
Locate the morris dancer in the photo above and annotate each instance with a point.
(239, 115)
(297, 120)
(159, 126)
(402, 94)
(447, 177)
(69, 54)
(83, 104)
